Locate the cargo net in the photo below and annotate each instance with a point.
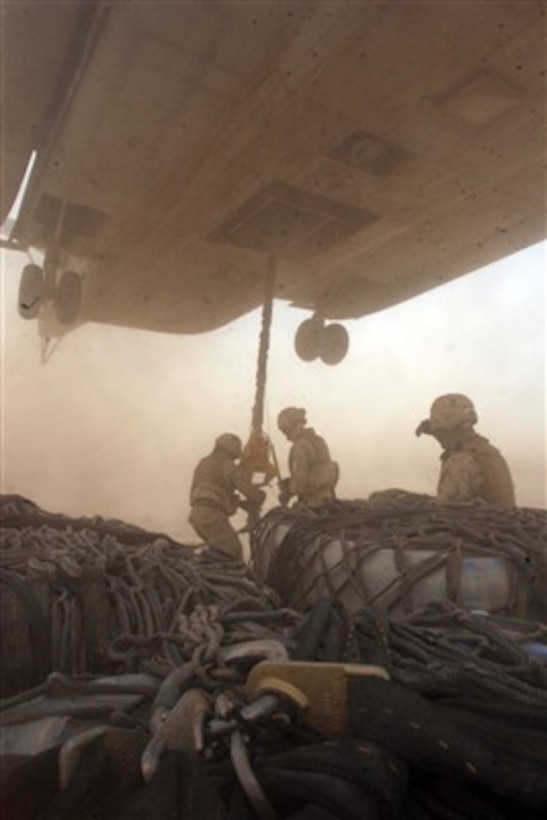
(88, 595)
(451, 599)
(398, 551)
(455, 730)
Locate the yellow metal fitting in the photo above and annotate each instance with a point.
(320, 689)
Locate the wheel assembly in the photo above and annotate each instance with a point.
(334, 343)
(307, 341)
(31, 291)
(68, 297)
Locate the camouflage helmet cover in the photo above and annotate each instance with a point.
(289, 417)
(451, 411)
(230, 443)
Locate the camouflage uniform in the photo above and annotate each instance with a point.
(471, 468)
(313, 474)
(475, 470)
(214, 498)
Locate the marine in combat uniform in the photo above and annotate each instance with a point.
(217, 490)
(471, 468)
(313, 474)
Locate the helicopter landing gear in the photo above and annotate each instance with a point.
(32, 288)
(40, 285)
(67, 298)
(316, 340)
(334, 344)
(307, 341)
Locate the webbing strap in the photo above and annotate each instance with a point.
(432, 737)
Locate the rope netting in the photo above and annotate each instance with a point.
(457, 731)
(398, 551)
(91, 595)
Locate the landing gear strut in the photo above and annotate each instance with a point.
(316, 340)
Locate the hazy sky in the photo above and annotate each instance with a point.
(114, 423)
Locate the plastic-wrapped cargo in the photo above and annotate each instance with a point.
(399, 551)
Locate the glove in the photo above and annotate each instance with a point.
(285, 493)
(254, 502)
(258, 498)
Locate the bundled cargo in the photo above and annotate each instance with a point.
(399, 551)
(185, 687)
(88, 595)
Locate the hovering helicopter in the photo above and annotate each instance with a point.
(355, 154)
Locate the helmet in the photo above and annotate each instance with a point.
(452, 411)
(290, 417)
(230, 443)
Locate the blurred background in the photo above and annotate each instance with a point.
(115, 421)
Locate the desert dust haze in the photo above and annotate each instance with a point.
(114, 423)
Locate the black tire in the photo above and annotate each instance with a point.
(334, 343)
(68, 297)
(31, 291)
(308, 339)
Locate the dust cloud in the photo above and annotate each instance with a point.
(115, 421)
